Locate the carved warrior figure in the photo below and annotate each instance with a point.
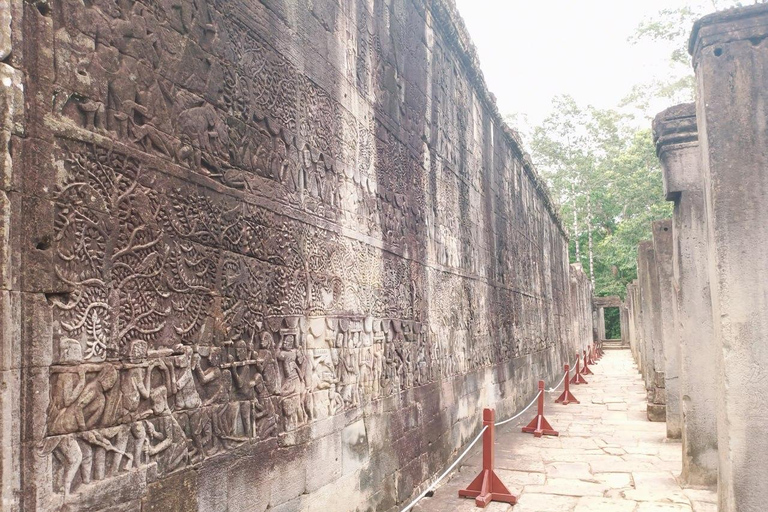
(186, 394)
(293, 390)
(82, 406)
(172, 448)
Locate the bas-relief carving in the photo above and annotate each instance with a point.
(197, 321)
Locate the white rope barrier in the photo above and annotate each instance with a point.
(551, 390)
(445, 473)
(500, 423)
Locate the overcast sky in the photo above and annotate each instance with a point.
(533, 50)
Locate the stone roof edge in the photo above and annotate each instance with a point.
(455, 32)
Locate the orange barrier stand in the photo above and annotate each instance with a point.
(487, 486)
(585, 369)
(578, 378)
(567, 397)
(539, 425)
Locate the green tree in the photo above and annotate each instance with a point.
(672, 28)
(605, 175)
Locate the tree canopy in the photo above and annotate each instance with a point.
(602, 168)
(604, 173)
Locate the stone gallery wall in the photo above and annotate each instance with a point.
(261, 254)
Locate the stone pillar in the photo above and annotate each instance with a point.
(624, 316)
(662, 248)
(730, 56)
(624, 322)
(653, 350)
(644, 304)
(630, 307)
(635, 322)
(600, 323)
(678, 149)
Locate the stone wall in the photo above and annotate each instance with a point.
(261, 255)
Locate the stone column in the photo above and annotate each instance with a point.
(630, 307)
(600, 323)
(653, 351)
(678, 149)
(624, 316)
(730, 56)
(644, 293)
(635, 332)
(670, 361)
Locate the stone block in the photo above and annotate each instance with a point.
(354, 447)
(326, 460)
(177, 492)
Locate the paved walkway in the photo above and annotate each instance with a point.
(608, 458)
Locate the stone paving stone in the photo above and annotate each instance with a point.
(703, 506)
(615, 480)
(663, 507)
(702, 495)
(579, 470)
(532, 502)
(568, 487)
(608, 457)
(592, 504)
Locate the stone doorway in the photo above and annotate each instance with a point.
(611, 321)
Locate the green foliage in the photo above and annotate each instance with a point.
(596, 161)
(603, 170)
(672, 28)
(612, 323)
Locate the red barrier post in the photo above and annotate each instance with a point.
(487, 486)
(566, 397)
(539, 425)
(578, 378)
(585, 369)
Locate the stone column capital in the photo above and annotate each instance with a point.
(737, 24)
(675, 135)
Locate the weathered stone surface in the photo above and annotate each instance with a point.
(261, 254)
(676, 137)
(663, 248)
(651, 318)
(634, 322)
(730, 56)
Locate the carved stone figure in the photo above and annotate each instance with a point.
(84, 404)
(186, 395)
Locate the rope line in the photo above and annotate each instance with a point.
(551, 390)
(500, 423)
(445, 473)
